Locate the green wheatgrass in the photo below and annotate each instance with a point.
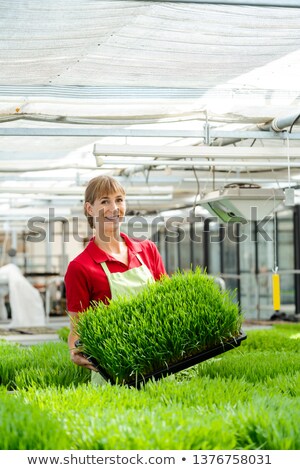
(39, 365)
(238, 400)
(169, 320)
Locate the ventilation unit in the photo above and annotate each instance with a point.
(242, 203)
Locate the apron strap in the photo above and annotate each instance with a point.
(105, 269)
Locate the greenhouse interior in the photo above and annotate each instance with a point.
(193, 108)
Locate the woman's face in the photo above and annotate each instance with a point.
(108, 211)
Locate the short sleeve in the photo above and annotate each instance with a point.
(158, 264)
(77, 289)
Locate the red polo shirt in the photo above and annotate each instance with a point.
(85, 279)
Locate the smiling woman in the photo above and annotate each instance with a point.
(112, 264)
(105, 209)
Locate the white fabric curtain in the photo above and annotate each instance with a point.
(26, 303)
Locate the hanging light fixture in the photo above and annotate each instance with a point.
(242, 203)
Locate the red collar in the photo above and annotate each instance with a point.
(99, 255)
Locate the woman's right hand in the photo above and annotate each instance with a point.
(78, 358)
(76, 355)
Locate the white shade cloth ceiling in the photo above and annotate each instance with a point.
(133, 63)
(139, 59)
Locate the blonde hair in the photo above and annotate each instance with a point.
(97, 188)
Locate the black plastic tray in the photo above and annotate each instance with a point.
(178, 366)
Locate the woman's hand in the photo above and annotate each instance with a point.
(78, 358)
(76, 355)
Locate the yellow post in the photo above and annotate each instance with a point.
(276, 292)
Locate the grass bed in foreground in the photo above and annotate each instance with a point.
(39, 365)
(240, 400)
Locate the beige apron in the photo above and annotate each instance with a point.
(124, 284)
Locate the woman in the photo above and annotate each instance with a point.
(112, 264)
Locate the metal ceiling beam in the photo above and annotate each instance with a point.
(157, 179)
(34, 165)
(202, 164)
(251, 133)
(194, 152)
(75, 191)
(95, 132)
(256, 3)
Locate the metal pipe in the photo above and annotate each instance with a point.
(251, 132)
(256, 3)
(204, 164)
(222, 141)
(276, 125)
(281, 123)
(8, 167)
(135, 169)
(203, 151)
